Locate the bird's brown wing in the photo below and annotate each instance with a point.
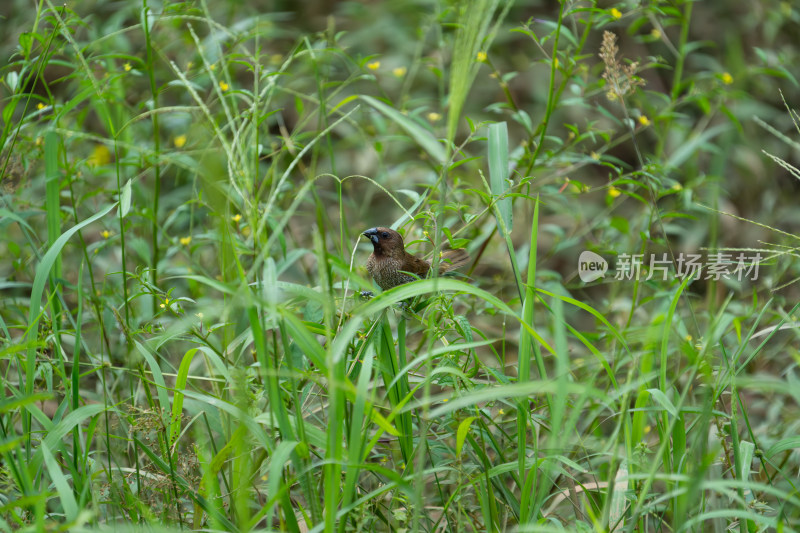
(453, 259)
(415, 265)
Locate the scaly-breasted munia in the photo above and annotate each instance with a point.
(390, 265)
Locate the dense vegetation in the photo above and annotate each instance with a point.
(183, 342)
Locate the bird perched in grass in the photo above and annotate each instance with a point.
(390, 265)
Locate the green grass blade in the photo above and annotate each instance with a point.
(474, 20)
(423, 137)
(43, 270)
(63, 489)
(498, 173)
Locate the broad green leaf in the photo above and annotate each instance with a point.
(461, 435)
(125, 200)
(661, 399)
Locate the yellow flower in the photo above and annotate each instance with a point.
(375, 65)
(127, 67)
(433, 116)
(481, 57)
(237, 217)
(655, 33)
(212, 67)
(224, 86)
(186, 240)
(179, 141)
(646, 430)
(165, 304)
(400, 71)
(727, 79)
(106, 234)
(677, 187)
(555, 62)
(616, 13)
(611, 95)
(613, 192)
(100, 155)
(446, 400)
(644, 121)
(688, 338)
(40, 106)
(501, 412)
(189, 65)
(595, 156)
(199, 315)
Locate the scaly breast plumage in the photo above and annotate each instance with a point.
(387, 272)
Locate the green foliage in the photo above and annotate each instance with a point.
(183, 343)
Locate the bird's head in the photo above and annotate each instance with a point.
(385, 241)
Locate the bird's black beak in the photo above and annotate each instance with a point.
(372, 235)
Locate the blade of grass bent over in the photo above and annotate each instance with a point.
(43, 270)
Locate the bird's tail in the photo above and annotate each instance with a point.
(453, 259)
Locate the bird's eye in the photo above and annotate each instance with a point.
(385, 235)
